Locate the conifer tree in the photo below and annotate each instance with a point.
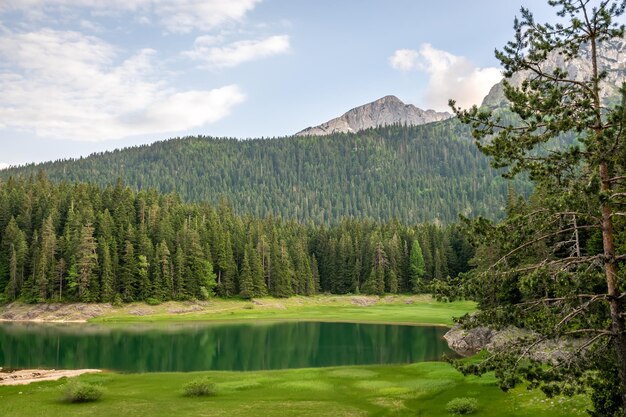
(107, 286)
(246, 281)
(86, 262)
(256, 269)
(143, 279)
(128, 270)
(417, 268)
(549, 282)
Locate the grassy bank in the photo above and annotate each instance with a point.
(391, 309)
(421, 389)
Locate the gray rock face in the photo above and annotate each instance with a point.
(382, 112)
(470, 342)
(612, 59)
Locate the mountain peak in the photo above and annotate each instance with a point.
(389, 99)
(385, 111)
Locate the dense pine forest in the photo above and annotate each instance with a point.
(80, 242)
(414, 174)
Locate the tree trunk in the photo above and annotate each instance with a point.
(610, 268)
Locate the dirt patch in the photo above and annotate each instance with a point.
(364, 301)
(185, 309)
(54, 312)
(140, 312)
(269, 304)
(26, 376)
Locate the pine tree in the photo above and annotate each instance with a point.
(128, 269)
(13, 285)
(552, 284)
(46, 263)
(282, 271)
(162, 287)
(246, 281)
(256, 269)
(375, 283)
(14, 240)
(86, 263)
(143, 278)
(106, 273)
(417, 268)
(228, 269)
(179, 274)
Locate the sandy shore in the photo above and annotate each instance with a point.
(26, 376)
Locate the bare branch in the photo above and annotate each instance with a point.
(539, 239)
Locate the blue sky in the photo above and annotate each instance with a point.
(77, 77)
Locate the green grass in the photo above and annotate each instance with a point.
(421, 389)
(395, 309)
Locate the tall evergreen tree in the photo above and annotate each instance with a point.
(548, 281)
(246, 281)
(86, 263)
(417, 268)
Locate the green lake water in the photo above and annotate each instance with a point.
(216, 346)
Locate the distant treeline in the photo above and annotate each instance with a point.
(415, 174)
(81, 242)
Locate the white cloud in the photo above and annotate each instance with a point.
(68, 85)
(90, 26)
(450, 76)
(176, 15)
(4, 165)
(404, 59)
(237, 52)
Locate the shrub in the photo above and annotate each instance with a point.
(81, 392)
(117, 301)
(151, 301)
(204, 293)
(462, 406)
(199, 388)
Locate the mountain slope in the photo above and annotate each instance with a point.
(386, 111)
(612, 59)
(415, 174)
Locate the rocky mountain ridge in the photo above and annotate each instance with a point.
(612, 59)
(385, 111)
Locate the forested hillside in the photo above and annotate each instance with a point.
(79, 242)
(415, 174)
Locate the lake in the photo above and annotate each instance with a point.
(178, 347)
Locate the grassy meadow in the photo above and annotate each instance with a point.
(392, 309)
(421, 389)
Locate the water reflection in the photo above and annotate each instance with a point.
(201, 346)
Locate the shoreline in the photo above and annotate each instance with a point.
(412, 310)
(27, 376)
(42, 321)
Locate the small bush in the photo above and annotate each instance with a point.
(462, 406)
(199, 388)
(151, 301)
(204, 293)
(117, 301)
(81, 392)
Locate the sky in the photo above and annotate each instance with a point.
(84, 76)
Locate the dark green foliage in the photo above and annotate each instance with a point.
(462, 406)
(116, 245)
(417, 268)
(81, 392)
(152, 301)
(199, 388)
(415, 174)
(555, 266)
